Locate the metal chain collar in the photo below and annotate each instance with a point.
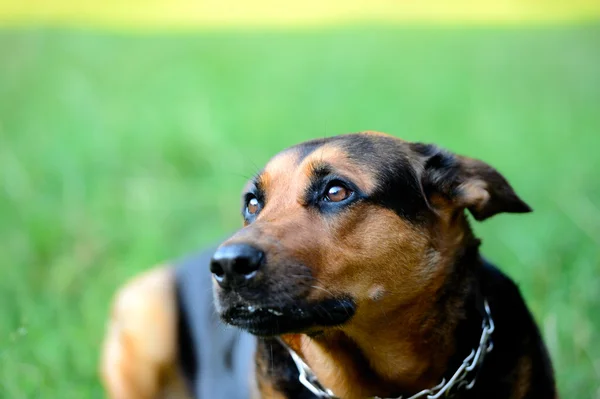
(459, 380)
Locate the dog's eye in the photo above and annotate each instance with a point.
(253, 205)
(337, 193)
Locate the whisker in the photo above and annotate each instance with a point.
(322, 289)
(272, 361)
(325, 310)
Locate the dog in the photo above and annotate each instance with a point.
(356, 275)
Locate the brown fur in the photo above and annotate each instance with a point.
(522, 383)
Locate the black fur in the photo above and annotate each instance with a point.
(185, 344)
(443, 173)
(398, 187)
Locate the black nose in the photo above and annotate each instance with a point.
(236, 264)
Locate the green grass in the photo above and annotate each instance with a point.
(117, 152)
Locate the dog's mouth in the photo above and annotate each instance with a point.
(296, 318)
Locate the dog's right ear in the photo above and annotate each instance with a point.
(460, 182)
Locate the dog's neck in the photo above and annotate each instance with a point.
(404, 351)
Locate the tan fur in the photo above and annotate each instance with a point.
(332, 154)
(474, 193)
(139, 359)
(381, 134)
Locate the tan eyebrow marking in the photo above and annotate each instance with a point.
(338, 159)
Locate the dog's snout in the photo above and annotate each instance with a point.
(236, 264)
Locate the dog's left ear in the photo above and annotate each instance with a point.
(462, 182)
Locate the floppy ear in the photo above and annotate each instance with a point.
(462, 182)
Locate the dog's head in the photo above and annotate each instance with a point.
(339, 229)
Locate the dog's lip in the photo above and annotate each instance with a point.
(252, 309)
(265, 320)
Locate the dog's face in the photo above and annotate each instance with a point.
(339, 230)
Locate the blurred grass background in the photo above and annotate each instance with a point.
(194, 14)
(121, 150)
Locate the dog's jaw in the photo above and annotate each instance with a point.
(295, 317)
